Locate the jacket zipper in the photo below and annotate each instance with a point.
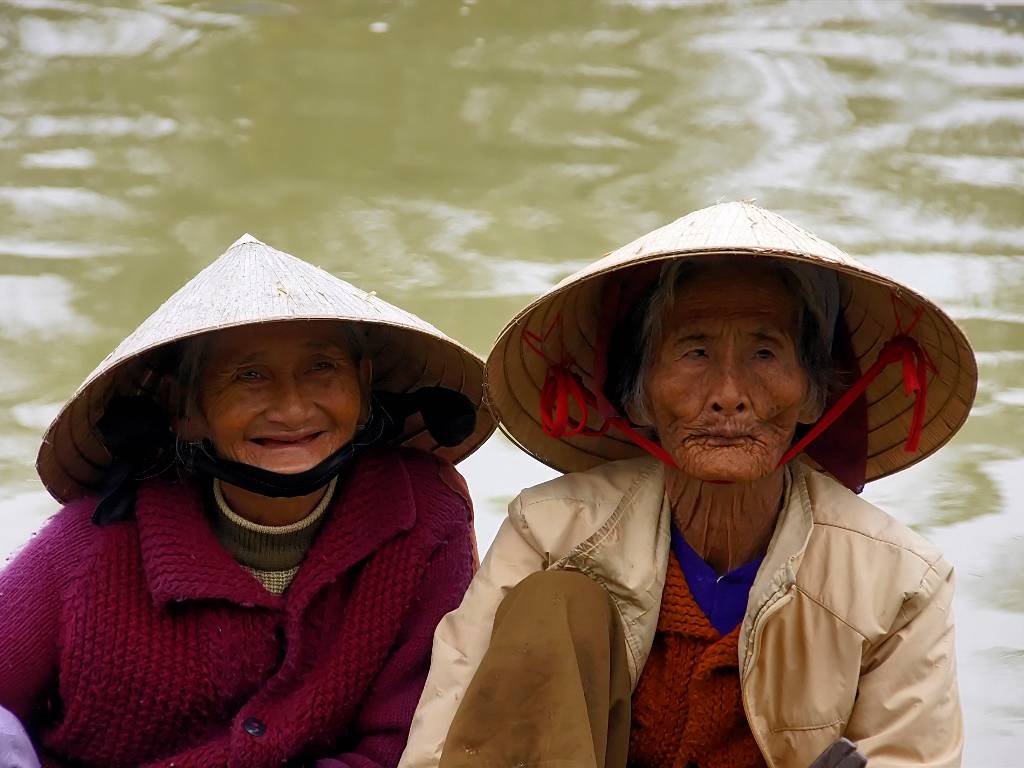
(752, 648)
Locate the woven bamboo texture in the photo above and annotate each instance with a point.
(253, 283)
(514, 375)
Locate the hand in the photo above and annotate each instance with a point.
(840, 754)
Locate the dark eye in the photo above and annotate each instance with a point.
(765, 354)
(323, 365)
(696, 352)
(249, 375)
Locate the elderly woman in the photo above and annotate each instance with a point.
(726, 600)
(248, 569)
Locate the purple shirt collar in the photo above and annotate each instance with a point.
(722, 599)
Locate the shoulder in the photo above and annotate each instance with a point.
(439, 491)
(561, 513)
(71, 523)
(605, 483)
(860, 562)
(840, 513)
(427, 471)
(68, 542)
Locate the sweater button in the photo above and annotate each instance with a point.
(254, 726)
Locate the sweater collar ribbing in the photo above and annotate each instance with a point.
(183, 559)
(267, 547)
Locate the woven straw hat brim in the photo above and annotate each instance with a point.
(515, 375)
(254, 284)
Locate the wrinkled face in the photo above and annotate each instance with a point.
(725, 387)
(282, 397)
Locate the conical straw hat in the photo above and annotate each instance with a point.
(875, 309)
(252, 283)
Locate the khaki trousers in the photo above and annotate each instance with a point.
(553, 688)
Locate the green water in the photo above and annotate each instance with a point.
(458, 158)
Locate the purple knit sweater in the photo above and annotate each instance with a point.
(145, 643)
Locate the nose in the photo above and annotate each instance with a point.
(288, 406)
(728, 395)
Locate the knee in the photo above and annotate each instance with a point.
(564, 592)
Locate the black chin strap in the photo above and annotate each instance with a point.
(136, 432)
(200, 457)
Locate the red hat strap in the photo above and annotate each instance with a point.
(564, 388)
(916, 364)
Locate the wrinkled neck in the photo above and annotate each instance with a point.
(726, 524)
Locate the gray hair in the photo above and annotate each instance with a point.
(816, 290)
(192, 356)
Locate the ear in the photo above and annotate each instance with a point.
(365, 388)
(636, 417)
(190, 427)
(811, 410)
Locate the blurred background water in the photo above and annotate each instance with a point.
(459, 157)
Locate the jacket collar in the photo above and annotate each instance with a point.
(373, 506)
(183, 559)
(629, 553)
(181, 556)
(785, 550)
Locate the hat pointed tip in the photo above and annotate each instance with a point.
(246, 238)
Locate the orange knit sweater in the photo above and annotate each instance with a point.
(687, 709)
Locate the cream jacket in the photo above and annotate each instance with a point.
(848, 629)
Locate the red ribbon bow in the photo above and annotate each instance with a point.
(916, 364)
(563, 387)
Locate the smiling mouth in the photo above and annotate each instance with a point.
(283, 442)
